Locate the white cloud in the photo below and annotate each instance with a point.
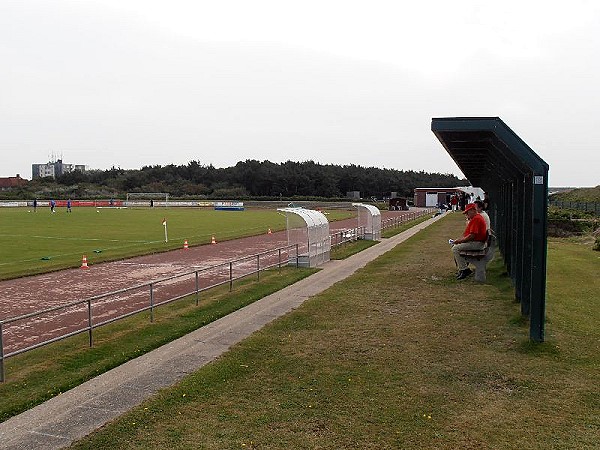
(132, 83)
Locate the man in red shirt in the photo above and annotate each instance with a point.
(473, 238)
(454, 202)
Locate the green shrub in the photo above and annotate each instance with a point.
(568, 222)
(555, 213)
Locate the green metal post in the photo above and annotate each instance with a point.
(537, 317)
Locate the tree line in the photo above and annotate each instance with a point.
(247, 179)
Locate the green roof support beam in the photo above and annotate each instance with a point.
(493, 157)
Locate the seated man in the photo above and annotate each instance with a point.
(483, 214)
(474, 238)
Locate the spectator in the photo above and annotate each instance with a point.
(454, 202)
(473, 238)
(462, 202)
(481, 211)
(486, 201)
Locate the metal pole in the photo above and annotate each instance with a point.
(297, 257)
(1, 355)
(258, 267)
(230, 276)
(91, 338)
(279, 265)
(151, 303)
(197, 289)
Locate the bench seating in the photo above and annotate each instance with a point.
(480, 258)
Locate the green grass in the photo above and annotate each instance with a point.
(591, 194)
(40, 374)
(40, 242)
(400, 355)
(347, 249)
(388, 233)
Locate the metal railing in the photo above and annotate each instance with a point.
(83, 316)
(592, 207)
(395, 222)
(348, 235)
(353, 234)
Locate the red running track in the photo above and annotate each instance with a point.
(36, 293)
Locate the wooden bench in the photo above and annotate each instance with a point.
(480, 258)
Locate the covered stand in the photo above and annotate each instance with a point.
(369, 219)
(492, 156)
(309, 230)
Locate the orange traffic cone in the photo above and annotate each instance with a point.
(84, 262)
(269, 232)
(185, 244)
(213, 240)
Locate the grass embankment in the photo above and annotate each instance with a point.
(591, 194)
(39, 242)
(400, 355)
(40, 374)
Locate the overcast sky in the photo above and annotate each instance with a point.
(132, 83)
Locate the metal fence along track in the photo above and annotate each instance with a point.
(83, 316)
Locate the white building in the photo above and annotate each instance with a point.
(54, 169)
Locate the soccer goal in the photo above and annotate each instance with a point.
(147, 199)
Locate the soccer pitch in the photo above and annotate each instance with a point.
(37, 242)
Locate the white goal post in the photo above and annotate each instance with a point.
(148, 199)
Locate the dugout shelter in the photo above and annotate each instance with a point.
(309, 230)
(369, 219)
(493, 157)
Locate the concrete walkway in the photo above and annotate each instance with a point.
(72, 415)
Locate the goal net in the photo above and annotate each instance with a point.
(147, 199)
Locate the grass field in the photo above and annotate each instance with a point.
(43, 373)
(421, 362)
(39, 242)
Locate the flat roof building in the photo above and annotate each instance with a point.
(54, 169)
